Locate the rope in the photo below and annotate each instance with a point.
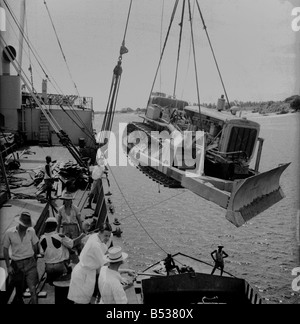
(195, 62)
(111, 106)
(51, 119)
(84, 129)
(61, 49)
(154, 205)
(23, 35)
(114, 88)
(26, 84)
(133, 213)
(64, 57)
(213, 53)
(39, 60)
(161, 26)
(179, 47)
(188, 61)
(127, 21)
(29, 57)
(164, 47)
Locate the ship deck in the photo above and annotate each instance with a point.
(23, 197)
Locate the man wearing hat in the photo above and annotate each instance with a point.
(55, 249)
(24, 249)
(218, 257)
(110, 280)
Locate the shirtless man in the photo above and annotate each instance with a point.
(218, 257)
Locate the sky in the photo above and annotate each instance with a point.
(256, 48)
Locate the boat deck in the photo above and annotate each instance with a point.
(31, 162)
(23, 198)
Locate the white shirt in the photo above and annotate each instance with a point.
(110, 287)
(92, 255)
(83, 278)
(56, 247)
(21, 249)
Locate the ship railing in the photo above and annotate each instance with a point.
(57, 99)
(252, 295)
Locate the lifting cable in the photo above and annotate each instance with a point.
(179, 47)
(38, 59)
(23, 78)
(161, 26)
(114, 90)
(213, 53)
(163, 50)
(64, 139)
(153, 205)
(133, 213)
(24, 36)
(54, 124)
(29, 57)
(84, 129)
(188, 61)
(69, 71)
(195, 62)
(61, 49)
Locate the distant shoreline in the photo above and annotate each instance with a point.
(271, 114)
(244, 113)
(270, 108)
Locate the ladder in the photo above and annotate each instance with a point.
(45, 136)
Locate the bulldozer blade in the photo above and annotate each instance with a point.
(251, 196)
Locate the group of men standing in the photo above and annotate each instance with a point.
(98, 266)
(64, 236)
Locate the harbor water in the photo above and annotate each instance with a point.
(157, 220)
